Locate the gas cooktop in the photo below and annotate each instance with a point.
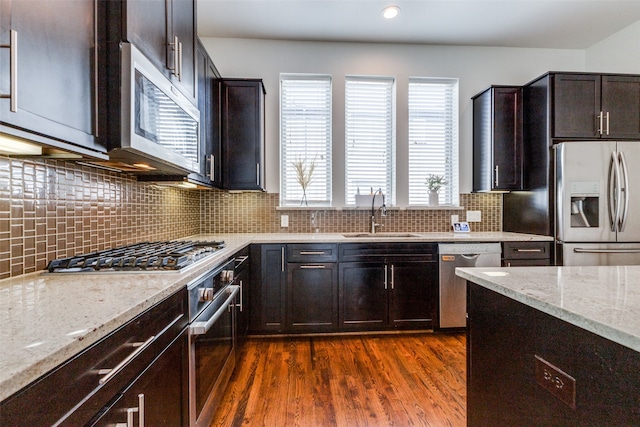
(140, 257)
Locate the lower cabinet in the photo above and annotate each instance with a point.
(388, 294)
(312, 297)
(319, 287)
(517, 254)
(158, 397)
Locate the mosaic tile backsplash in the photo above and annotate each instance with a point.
(53, 209)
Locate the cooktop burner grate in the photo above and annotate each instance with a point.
(146, 256)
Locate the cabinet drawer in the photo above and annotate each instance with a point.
(312, 252)
(54, 397)
(357, 252)
(526, 250)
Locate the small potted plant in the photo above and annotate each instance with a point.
(434, 183)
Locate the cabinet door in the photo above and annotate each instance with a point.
(243, 134)
(272, 288)
(621, 100)
(312, 297)
(413, 294)
(363, 296)
(576, 105)
(161, 392)
(183, 26)
(56, 91)
(497, 139)
(146, 28)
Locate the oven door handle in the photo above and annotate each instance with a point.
(201, 328)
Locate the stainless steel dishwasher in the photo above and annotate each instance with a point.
(453, 289)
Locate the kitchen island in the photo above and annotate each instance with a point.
(553, 346)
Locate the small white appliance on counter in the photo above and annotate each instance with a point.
(453, 289)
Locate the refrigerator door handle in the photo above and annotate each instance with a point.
(624, 187)
(613, 190)
(606, 251)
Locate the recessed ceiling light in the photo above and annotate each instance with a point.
(390, 12)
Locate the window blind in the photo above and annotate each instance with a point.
(369, 137)
(433, 138)
(305, 139)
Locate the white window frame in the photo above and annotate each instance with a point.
(306, 138)
(433, 109)
(370, 135)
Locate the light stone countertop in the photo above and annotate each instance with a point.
(603, 300)
(48, 318)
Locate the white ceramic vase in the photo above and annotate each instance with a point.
(433, 198)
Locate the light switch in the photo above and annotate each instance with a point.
(284, 220)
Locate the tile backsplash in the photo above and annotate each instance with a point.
(53, 209)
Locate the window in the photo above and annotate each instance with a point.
(369, 137)
(305, 140)
(433, 138)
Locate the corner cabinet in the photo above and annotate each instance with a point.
(51, 83)
(165, 31)
(497, 139)
(241, 134)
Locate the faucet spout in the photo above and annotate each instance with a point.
(382, 208)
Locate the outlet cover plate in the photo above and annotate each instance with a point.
(284, 220)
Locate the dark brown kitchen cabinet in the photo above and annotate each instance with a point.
(384, 286)
(312, 287)
(268, 288)
(595, 106)
(497, 139)
(242, 134)
(507, 345)
(52, 90)
(516, 254)
(158, 397)
(79, 390)
(164, 31)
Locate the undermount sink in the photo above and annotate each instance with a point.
(379, 235)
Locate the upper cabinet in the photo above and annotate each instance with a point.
(49, 73)
(241, 132)
(596, 106)
(497, 139)
(165, 31)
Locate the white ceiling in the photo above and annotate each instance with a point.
(563, 24)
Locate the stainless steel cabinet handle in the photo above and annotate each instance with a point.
(392, 278)
(13, 71)
(212, 167)
(607, 123)
(109, 373)
(258, 173)
(312, 267)
(282, 258)
(600, 118)
(132, 411)
(385, 277)
(311, 252)
(497, 180)
(241, 287)
(529, 250)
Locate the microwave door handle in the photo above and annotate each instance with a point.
(624, 187)
(201, 328)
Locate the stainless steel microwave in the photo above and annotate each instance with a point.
(158, 130)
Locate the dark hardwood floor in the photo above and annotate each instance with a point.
(367, 380)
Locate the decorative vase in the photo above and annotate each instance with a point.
(433, 198)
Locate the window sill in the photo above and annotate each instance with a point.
(368, 208)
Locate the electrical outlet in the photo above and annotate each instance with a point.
(454, 218)
(474, 216)
(284, 221)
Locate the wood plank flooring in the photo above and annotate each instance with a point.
(366, 380)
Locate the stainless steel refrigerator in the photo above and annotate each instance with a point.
(597, 202)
